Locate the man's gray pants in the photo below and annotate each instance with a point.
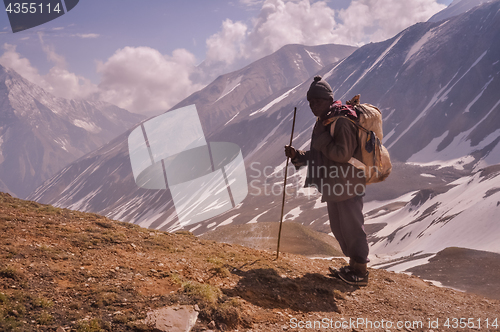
(347, 224)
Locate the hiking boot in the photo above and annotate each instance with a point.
(335, 272)
(352, 278)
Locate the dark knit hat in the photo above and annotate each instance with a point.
(319, 89)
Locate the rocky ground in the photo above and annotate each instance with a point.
(73, 271)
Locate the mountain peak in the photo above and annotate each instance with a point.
(41, 133)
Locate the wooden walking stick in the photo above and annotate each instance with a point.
(284, 186)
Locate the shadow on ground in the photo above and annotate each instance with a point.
(312, 292)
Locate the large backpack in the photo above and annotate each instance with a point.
(375, 159)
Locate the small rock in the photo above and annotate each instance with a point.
(196, 307)
(172, 319)
(211, 325)
(60, 329)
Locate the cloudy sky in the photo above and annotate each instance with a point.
(142, 55)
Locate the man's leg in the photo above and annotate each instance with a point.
(352, 222)
(334, 216)
(347, 225)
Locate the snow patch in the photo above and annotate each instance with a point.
(316, 58)
(379, 59)
(294, 213)
(372, 205)
(415, 49)
(453, 154)
(406, 265)
(230, 86)
(333, 69)
(389, 115)
(275, 101)
(467, 109)
(427, 175)
(254, 220)
(232, 118)
(386, 137)
(227, 221)
(90, 127)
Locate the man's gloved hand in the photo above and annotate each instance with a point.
(290, 152)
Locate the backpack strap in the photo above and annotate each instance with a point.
(334, 119)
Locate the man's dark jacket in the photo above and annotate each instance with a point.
(327, 161)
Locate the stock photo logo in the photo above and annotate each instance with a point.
(26, 15)
(204, 178)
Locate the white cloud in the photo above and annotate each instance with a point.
(87, 35)
(290, 22)
(376, 20)
(282, 22)
(142, 80)
(228, 44)
(11, 59)
(58, 81)
(251, 3)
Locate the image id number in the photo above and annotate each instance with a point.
(32, 8)
(470, 323)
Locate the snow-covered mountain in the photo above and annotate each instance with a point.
(463, 213)
(103, 182)
(436, 83)
(40, 133)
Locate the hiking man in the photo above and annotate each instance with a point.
(340, 183)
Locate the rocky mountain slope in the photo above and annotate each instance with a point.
(74, 271)
(40, 133)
